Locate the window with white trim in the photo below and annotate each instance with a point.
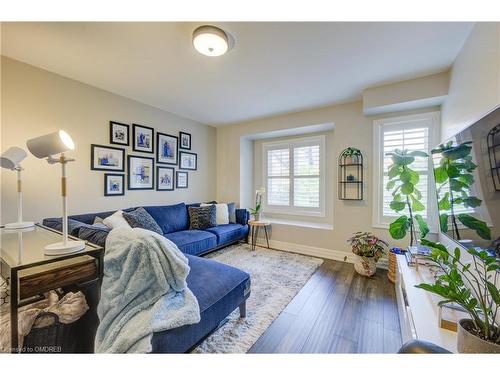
(413, 133)
(294, 175)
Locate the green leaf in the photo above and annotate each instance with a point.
(444, 203)
(416, 205)
(418, 153)
(472, 202)
(467, 179)
(407, 188)
(495, 294)
(397, 206)
(399, 227)
(443, 222)
(393, 171)
(440, 174)
(452, 171)
(397, 198)
(457, 152)
(402, 160)
(479, 226)
(390, 185)
(456, 185)
(422, 225)
(417, 193)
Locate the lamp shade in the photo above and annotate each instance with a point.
(50, 144)
(12, 157)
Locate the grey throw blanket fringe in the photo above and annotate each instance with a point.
(144, 290)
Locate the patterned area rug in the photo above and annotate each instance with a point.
(277, 276)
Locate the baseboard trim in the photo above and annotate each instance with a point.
(318, 252)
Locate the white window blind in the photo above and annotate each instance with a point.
(413, 133)
(294, 174)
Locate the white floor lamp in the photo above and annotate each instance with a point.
(47, 146)
(11, 159)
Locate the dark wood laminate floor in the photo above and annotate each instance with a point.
(337, 311)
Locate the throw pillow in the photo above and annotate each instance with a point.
(95, 234)
(140, 218)
(202, 217)
(231, 207)
(221, 212)
(116, 221)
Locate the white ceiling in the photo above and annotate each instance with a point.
(273, 68)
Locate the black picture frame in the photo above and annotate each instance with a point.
(106, 178)
(181, 135)
(112, 140)
(102, 168)
(130, 172)
(177, 180)
(136, 127)
(195, 161)
(158, 145)
(158, 169)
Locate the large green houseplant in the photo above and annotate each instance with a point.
(473, 286)
(403, 182)
(455, 178)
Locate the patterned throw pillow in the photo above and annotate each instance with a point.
(202, 217)
(140, 218)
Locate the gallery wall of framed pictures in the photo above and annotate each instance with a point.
(168, 152)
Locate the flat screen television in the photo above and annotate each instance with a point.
(467, 176)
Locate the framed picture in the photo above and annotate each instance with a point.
(143, 138)
(118, 133)
(140, 172)
(185, 141)
(166, 148)
(188, 160)
(181, 180)
(114, 184)
(164, 178)
(106, 158)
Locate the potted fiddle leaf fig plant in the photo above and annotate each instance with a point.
(403, 182)
(473, 286)
(454, 175)
(368, 249)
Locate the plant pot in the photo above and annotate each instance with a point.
(365, 266)
(467, 342)
(256, 217)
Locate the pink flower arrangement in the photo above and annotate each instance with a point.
(366, 244)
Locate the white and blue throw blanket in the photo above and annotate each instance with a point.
(144, 290)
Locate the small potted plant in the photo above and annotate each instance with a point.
(473, 286)
(368, 249)
(258, 203)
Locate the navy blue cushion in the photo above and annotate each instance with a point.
(95, 234)
(220, 289)
(227, 233)
(242, 216)
(231, 208)
(170, 218)
(56, 223)
(140, 218)
(193, 241)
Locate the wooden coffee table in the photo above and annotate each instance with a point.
(255, 226)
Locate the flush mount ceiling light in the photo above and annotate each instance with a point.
(210, 41)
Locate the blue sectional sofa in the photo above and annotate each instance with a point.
(219, 288)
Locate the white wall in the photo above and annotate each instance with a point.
(474, 80)
(35, 102)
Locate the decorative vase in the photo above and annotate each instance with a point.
(467, 342)
(365, 266)
(256, 216)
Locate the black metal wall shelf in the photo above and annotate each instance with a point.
(350, 175)
(494, 155)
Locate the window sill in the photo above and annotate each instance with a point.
(302, 224)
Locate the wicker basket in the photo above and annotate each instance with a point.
(393, 267)
(54, 338)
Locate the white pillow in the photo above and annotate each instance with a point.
(116, 221)
(222, 212)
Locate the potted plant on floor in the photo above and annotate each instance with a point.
(258, 204)
(473, 286)
(368, 249)
(403, 182)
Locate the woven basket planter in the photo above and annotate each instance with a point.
(393, 267)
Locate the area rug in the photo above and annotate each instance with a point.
(277, 276)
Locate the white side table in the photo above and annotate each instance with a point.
(255, 226)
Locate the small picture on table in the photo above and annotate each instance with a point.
(166, 148)
(188, 160)
(143, 138)
(106, 158)
(114, 184)
(164, 178)
(181, 180)
(118, 133)
(185, 140)
(140, 172)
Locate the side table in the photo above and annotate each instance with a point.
(255, 226)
